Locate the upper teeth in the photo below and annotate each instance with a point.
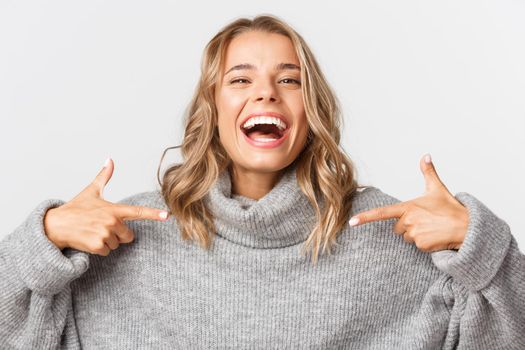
(264, 120)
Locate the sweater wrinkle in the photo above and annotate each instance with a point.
(282, 218)
(375, 291)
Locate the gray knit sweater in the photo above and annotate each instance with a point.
(253, 289)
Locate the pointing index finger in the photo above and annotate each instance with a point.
(381, 213)
(138, 212)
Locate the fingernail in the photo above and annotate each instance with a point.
(163, 214)
(353, 221)
(106, 163)
(428, 159)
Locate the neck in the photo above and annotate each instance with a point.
(281, 218)
(253, 184)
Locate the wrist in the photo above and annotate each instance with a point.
(49, 220)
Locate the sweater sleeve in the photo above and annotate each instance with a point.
(35, 297)
(487, 288)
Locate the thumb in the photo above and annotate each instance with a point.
(103, 177)
(432, 181)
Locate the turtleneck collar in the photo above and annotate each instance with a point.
(283, 217)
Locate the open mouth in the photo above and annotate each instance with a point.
(261, 132)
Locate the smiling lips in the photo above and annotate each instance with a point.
(265, 129)
(265, 142)
(267, 114)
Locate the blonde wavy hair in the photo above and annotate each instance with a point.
(324, 172)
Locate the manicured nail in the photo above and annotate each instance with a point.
(428, 159)
(106, 163)
(163, 214)
(353, 221)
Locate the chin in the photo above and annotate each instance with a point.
(263, 164)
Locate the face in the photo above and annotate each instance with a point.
(260, 75)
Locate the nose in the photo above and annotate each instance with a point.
(265, 91)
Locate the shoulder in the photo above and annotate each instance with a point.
(379, 235)
(377, 242)
(371, 197)
(150, 199)
(153, 199)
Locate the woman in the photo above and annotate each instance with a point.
(263, 185)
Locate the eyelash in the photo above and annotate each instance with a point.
(295, 80)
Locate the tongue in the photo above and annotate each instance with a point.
(257, 134)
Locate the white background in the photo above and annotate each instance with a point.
(80, 81)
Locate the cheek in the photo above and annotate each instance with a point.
(296, 105)
(229, 102)
(229, 106)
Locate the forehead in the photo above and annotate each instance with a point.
(259, 48)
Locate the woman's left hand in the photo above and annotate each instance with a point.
(434, 221)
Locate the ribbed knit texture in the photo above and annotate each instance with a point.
(254, 290)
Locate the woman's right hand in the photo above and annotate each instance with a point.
(92, 224)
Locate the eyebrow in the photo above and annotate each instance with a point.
(280, 66)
